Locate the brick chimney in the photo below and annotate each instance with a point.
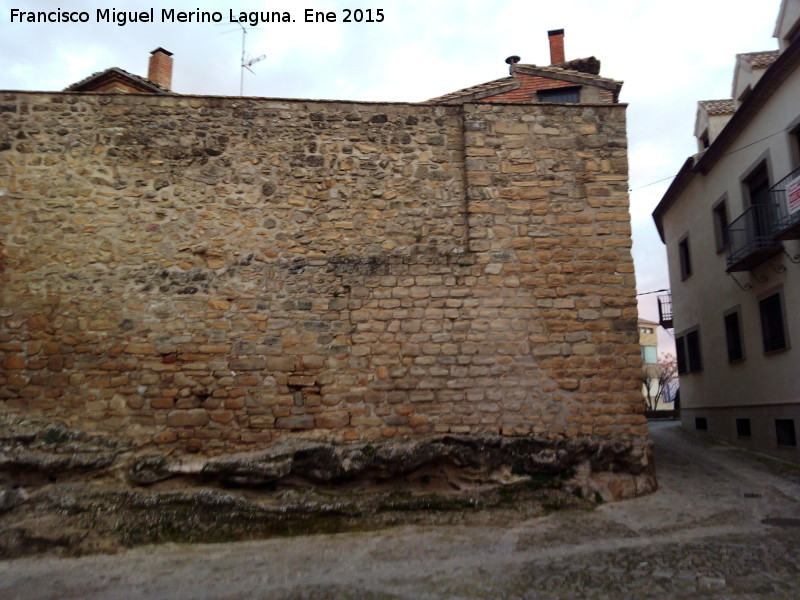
(160, 69)
(556, 37)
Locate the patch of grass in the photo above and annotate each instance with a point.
(404, 501)
(55, 436)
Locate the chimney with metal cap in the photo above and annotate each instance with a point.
(511, 61)
(556, 37)
(160, 69)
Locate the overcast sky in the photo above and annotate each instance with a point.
(670, 54)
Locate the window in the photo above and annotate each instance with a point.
(680, 351)
(758, 190)
(758, 185)
(720, 223)
(645, 330)
(693, 351)
(743, 428)
(560, 96)
(784, 432)
(772, 323)
(700, 424)
(733, 335)
(687, 348)
(685, 258)
(649, 355)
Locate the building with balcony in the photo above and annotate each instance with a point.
(731, 224)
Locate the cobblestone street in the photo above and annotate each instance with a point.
(701, 535)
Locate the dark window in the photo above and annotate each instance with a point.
(694, 359)
(687, 350)
(784, 431)
(700, 424)
(758, 185)
(560, 96)
(685, 258)
(772, 329)
(796, 140)
(720, 223)
(743, 428)
(733, 335)
(680, 351)
(758, 189)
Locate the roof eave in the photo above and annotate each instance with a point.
(774, 76)
(473, 96)
(777, 73)
(570, 76)
(679, 183)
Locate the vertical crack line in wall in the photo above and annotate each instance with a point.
(464, 178)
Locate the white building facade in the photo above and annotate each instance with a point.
(731, 224)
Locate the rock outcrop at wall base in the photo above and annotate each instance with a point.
(473, 460)
(52, 500)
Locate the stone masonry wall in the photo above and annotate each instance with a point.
(216, 274)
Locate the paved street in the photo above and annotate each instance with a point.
(700, 536)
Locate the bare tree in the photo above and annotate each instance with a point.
(667, 374)
(652, 385)
(658, 380)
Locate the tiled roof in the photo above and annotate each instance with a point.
(567, 74)
(136, 80)
(759, 60)
(482, 90)
(718, 107)
(498, 86)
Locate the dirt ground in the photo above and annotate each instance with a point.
(724, 524)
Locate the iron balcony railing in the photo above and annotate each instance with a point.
(665, 311)
(785, 195)
(750, 238)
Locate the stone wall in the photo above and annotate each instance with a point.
(216, 274)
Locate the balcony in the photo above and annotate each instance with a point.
(785, 195)
(665, 311)
(750, 238)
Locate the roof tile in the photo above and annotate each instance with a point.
(759, 60)
(489, 86)
(483, 90)
(120, 72)
(718, 107)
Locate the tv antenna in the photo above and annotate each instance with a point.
(247, 62)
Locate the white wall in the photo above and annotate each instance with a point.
(709, 292)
